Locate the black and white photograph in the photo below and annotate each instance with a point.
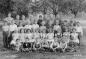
(42, 29)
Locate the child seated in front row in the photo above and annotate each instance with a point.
(37, 39)
(65, 40)
(74, 41)
(16, 42)
(29, 39)
(50, 38)
(43, 37)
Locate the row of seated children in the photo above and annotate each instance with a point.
(38, 38)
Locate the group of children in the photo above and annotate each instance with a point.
(54, 35)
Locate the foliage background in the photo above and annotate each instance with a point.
(53, 6)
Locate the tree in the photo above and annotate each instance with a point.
(5, 6)
(21, 6)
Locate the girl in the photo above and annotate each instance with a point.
(30, 39)
(55, 45)
(43, 38)
(22, 35)
(65, 40)
(15, 43)
(37, 40)
(28, 26)
(35, 26)
(27, 44)
(50, 38)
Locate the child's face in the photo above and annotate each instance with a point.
(5, 23)
(74, 30)
(50, 31)
(78, 24)
(17, 17)
(50, 23)
(22, 31)
(43, 23)
(57, 22)
(66, 30)
(20, 24)
(28, 31)
(36, 31)
(44, 31)
(9, 15)
(23, 17)
(17, 40)
(40, 17)
(15, 31)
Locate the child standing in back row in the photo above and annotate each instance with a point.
(5, 29)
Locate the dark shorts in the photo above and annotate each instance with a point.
(37, 46)
(73, 44)
(5, 39)
(27, 45)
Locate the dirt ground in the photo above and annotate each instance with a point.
(7, 54)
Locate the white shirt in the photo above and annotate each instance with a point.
(15, 37)
(75, 37)
(5, 28)
(79, 29)
(8, 19)
(35, 26)
(28, 26)
(50, 36)
(22, 37)
(30, 36)
(36, 35)
(13, 27)
(57, 27)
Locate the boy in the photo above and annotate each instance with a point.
(28, 26)
(55, 44)
(15, 40)
(30, 39)
(35, 26)
(40, 21)
(74, 36)
(9, 19)
(17, 21)
(42, 26)
(12, 28)
(5, 29)
(57, 29)
(50, 26)
(79, 30)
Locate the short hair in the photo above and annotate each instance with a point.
(28, 30)
(40, 15)
(21, 30)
